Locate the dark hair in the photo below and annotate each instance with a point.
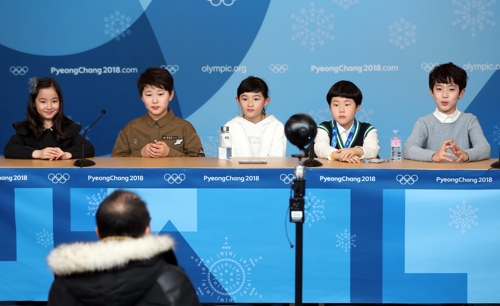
(122, 213)
(345, 89)
(253, 84)
(158, 77)
(448, 74)
(34, 121)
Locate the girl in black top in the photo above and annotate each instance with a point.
(46, 133)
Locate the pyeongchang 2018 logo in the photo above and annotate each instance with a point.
(174, 178)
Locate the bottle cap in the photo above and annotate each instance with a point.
(224, 128)
(395, 131)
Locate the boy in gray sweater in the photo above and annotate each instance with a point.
(447, 134)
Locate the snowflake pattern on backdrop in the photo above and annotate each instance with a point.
(321, 115)
(324, 114)
(117, 25)
(312, 27)
(402, 34)
(345, 241)
(228, 275)
(473, 14)
(463, 217)
(83, 128)
(211, 146)
(345, 3)
(94, 201)
(496, 134)
(314, 209)
(364, 116)
(45, 239)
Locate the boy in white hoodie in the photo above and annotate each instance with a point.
(254, 132)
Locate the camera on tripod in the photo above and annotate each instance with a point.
(301, 131)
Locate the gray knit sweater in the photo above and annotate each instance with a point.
(429, 134)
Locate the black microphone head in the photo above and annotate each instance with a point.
(300, 130)
(103, 111)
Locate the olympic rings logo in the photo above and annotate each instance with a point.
(174, 178)
(428, 66)
(58, 178)
(287, 178)
(278, 68)
(407, 179)
(171, 68)
(222, 2)
(19, 70)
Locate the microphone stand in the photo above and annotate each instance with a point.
(82, 162)
(297, 206)
(311, 162)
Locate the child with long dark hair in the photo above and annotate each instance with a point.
(46, 133)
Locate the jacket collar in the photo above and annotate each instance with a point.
(72, 129)
(161, 122)
(101, 255)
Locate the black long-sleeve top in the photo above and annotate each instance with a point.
(23, 143)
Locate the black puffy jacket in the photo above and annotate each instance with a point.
(124, 272)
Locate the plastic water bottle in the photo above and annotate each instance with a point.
(224, 143)
(395, 146)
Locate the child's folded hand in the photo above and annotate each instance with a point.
(346, 155)
(162, 149)
(155, 150)
(461, 155)
(443, 154)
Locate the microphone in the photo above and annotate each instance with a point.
(82, 162)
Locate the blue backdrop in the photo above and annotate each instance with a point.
(97, 50)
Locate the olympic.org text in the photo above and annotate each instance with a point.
(358, 69)
(462, 180)
(481, 67)
(98, 71)
(223, 69)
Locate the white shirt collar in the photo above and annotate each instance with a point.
(447, 118)
(341, 128)
(343, 132)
